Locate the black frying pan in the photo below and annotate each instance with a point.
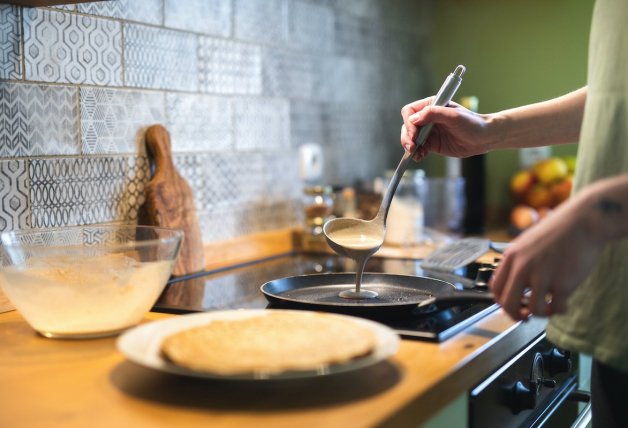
(396, 293)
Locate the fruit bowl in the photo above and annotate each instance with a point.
(86, 281)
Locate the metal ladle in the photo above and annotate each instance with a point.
(360, 239)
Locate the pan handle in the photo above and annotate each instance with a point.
(459, 297)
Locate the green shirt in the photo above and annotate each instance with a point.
(597, 319)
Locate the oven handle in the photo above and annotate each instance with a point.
(584, 417)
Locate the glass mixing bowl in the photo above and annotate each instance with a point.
(86, 281)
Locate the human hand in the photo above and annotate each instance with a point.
(457, 131)
(550, 259)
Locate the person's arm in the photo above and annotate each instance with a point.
(551, 122)
(461, 133)
(556, 255)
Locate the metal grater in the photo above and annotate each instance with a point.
(456, 254)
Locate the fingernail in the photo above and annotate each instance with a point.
(414, 118)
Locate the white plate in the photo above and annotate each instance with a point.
(142, 345)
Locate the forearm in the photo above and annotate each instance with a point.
(551, 122)
(605, 205)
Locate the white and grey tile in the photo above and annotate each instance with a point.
(14, 195)
(228, 67)
(261, 21)
(70, 7)
(160, 59)
(10, 42)
(113, 120)
(288, 74)
(261, 123)
(147, 11)
(201, 16)
(356, 37)
(311, 26)
(369, 9)
(223, 179)
(199, 122)
(66, 47)
(336, 79)
(307, 123)
(281, 174)
(38, 120)
(75, 191)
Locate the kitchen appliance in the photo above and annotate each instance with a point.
(239, 287)
(537, 387)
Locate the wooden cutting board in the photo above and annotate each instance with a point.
(170, 202)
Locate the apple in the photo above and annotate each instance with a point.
(544, 212)
(523, 216)
(571, 163)
(521, 183)
(540, 196)
(550, 170)
(562, 189)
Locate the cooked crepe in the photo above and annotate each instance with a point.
(275, 342)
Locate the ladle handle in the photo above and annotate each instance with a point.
(442, 98)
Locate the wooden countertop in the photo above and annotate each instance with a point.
(78, 383)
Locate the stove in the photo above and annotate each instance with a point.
(238, 287)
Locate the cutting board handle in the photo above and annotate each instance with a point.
(170, 202)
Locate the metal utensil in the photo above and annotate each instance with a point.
(360, 239)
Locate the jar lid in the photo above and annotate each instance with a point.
(318, 190)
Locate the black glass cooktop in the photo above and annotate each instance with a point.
(239, 287)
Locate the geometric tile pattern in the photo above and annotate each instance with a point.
(311, 26)
(160, 59)
(201, 16)
(240, 84)
(288, 73)
(261, 21)
(65, 47)
(237, 195)
(228, 67)
(77, 191)
(148, 11)
(10, 46)
(199, 122)
(112, 119)
(14, 192)
(38, 120)
(261, 123)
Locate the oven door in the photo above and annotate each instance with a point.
(537, 387)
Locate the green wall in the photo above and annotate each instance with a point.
(516, 52)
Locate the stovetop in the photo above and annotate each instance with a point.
(239, 288)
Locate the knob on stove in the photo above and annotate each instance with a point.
(483, 276)
(557, 361)
(522, 396)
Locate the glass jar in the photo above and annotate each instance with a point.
(318, 205)
(404, 225)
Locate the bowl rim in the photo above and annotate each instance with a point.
(7, 241)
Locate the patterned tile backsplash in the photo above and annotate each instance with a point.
(70, 48)
(10, 47)
(112, 119)
(38, 120)
(240, 85)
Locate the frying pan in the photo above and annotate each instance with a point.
(397, 294)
